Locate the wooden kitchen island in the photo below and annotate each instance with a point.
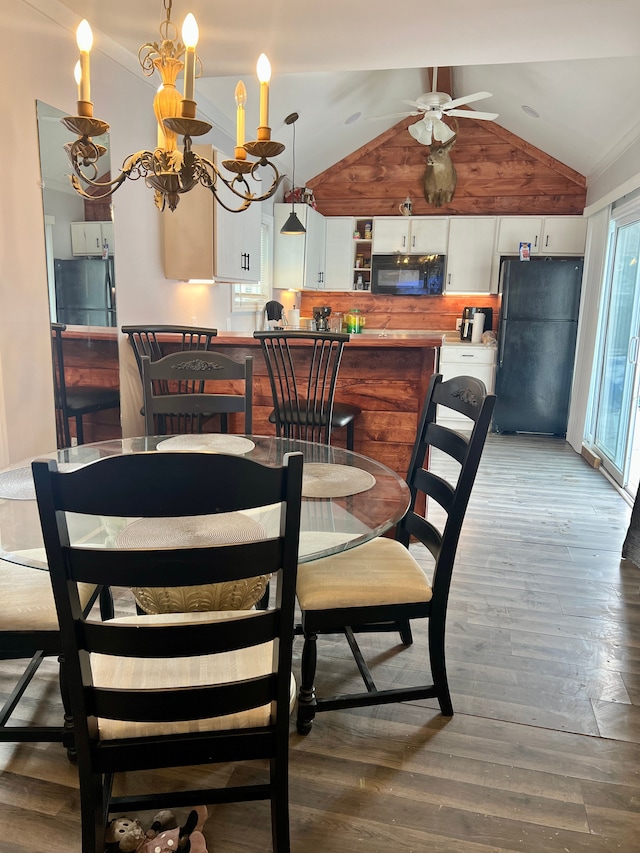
(387, 377)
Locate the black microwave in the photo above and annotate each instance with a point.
(408, 275)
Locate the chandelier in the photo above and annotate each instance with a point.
(168, 170)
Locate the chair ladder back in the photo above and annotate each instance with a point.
(303, 381)
(177, 395)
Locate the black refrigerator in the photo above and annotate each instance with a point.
(536, 344)
(85, 291)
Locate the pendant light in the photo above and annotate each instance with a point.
(293, 224)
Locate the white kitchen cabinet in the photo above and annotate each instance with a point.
(202, 240)
(470, 254)
(466, 359)
(88, 238)
(339, 248)
(410, 234)
(299, 259)
(564, 235)
(548, 235)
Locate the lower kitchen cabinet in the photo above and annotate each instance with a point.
(467, 359)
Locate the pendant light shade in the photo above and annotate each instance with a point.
(293, 225)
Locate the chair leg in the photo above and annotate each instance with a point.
(307, 692)
(68, 740)
(79, 429)
(406, 636)
(106, 603)
(280, 832)
(263, 603)
(92, 799)
(350, 434)
(439, 666)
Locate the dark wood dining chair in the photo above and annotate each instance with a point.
(75, 401)
(179, 391)
(151, 341)
(180, 689)
(303, 370)
(380, 586)
(29, 631)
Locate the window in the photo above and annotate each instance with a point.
(250, 297)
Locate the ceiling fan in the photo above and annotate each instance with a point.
(434, 106)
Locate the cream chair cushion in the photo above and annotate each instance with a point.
(381, 571)
(26, 599)
(111, 671)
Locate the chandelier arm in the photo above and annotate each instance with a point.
(215, 174)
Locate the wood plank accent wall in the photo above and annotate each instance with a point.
(499, 174)
(400, 312)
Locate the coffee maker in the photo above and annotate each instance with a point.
(466, 326)
(321, 317)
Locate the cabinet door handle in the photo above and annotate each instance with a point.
(97, 242)
(404, 242)
(546, 242)
(449, 280)
(535, 242)
(413, 242)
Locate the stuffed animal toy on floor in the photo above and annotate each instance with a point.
(125, 835)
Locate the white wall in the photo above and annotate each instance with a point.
(37, 62)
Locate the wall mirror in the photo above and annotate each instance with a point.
(78, 233)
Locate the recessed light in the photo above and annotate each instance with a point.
(353, 118)
(530, 111)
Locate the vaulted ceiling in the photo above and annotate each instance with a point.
(339, 64)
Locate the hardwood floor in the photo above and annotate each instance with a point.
(543, 752)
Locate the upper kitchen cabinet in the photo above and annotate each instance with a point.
(410, 235)
(549, 235)
(203, 240)
(470, 254)
(339, 260)
(89, 238)
(299, 259)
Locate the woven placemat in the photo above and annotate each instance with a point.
(17, 484)
(211, 442)
(324, 480)
(191, 531)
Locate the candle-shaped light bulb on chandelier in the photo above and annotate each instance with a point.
(264, 75)
(77, 76)
(241, 100)
(84, 39)
(190, 38)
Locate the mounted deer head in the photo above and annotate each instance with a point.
(440, 175)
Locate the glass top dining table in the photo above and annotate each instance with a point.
(348, 498)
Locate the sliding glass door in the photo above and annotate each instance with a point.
(617, 386)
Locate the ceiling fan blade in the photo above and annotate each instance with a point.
(394, 115)
(442, 132)
(472, 114)
(468, 99)
(420, 105)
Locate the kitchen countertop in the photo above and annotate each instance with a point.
(368, 338)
